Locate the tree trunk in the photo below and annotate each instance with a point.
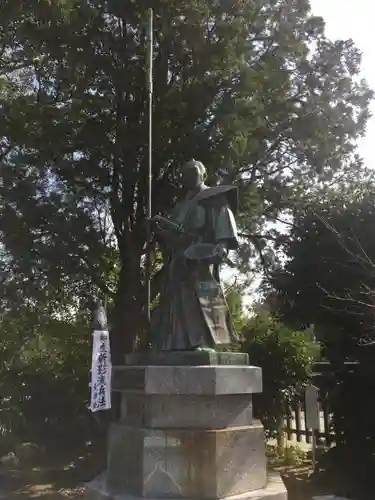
(127, 314)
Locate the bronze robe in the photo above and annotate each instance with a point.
(192, 310)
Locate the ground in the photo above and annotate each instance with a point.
(59, 478)
(300, 484)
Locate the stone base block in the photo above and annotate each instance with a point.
(275, 490)
(186, 411)
(186, 463)
(190, 358)
(177, 380)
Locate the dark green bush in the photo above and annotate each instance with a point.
(285, 357)
(44, 383)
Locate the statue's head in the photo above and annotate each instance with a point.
(193, 174)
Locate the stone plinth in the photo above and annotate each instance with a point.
(186, 431)
(188, 380)
(186, 411)
(182, 358)
(187, 463)
(275, 490)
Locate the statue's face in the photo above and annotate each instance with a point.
(191, 177)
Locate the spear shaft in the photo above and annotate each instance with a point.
(149, 196)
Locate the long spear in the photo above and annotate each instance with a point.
(149, 197)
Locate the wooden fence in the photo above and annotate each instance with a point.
(296, 430)
(296, 425)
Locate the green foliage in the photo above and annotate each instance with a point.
(293, 455)
(328, 279)
(253, 88)
(44, 378)
(234, 298)
(256, 89)
(285, 357)
(288, 456)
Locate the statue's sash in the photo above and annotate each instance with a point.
(214, 309)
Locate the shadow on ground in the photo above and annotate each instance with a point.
(58, 477)
(62, 477)
(300, 483)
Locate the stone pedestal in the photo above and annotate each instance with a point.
(186, 431)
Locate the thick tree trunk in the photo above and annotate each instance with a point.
(127, 314)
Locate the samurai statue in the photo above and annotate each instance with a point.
(192, 313)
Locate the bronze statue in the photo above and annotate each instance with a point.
(192, 313)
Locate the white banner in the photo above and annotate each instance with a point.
(101, 368)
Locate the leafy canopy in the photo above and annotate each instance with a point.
(329, 277)
(254, 89)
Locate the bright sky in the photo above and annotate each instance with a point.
(354, 19)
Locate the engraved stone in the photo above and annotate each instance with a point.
(187, 463)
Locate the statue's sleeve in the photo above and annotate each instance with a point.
(225, 228)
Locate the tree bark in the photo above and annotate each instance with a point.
(127, 315)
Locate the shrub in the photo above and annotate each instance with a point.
(285, 357)
(44, 380)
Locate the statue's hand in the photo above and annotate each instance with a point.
(221, 250)
(155, 227)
